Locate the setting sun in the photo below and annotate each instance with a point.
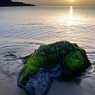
(72, 1)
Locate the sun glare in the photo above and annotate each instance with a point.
(72, 1)
(70, 18)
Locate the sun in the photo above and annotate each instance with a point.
(71, 1)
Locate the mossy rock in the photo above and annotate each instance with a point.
(74, 60)
(69, 56)
(30, 68)
(75, 63)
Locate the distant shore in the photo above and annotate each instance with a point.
(9, 4)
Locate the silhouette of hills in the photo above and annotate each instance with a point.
(10, 3)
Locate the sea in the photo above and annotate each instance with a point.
(24, 29)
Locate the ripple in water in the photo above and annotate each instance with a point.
(21, 34)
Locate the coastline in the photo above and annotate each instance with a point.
(10, 3)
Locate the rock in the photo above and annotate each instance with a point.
(55, 72)
(75, 62)
(31, 68)
(39, 84)
(50, 62)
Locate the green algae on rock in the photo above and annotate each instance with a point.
(69, 56)
(75, 62)
(31, 67)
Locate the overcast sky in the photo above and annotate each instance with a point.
(58, 2)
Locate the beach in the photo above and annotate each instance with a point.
(24, 29)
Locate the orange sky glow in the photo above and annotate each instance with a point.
(59, 2)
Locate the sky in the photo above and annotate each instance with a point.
(58, 2)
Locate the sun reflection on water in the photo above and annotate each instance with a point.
(69, 19)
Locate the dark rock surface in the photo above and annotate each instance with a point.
(55, 72)
(39, 84)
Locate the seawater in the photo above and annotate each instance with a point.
(24, 29)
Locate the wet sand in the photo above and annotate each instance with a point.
(86, 87)
(9, 87)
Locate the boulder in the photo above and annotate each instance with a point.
(49, 62)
